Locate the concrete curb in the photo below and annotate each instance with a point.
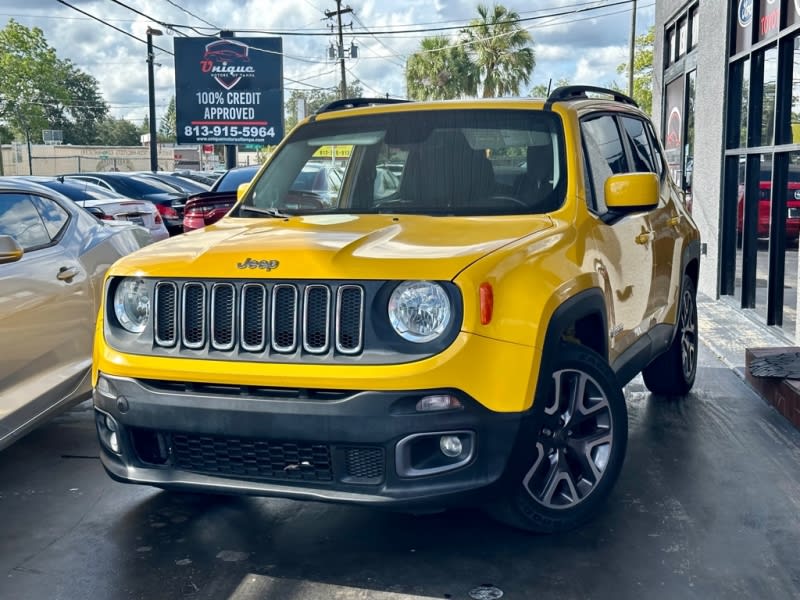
(728, 331)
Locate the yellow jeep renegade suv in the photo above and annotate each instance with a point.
(453, 323)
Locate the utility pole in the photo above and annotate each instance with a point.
(151, 94)
(339, 12)
(630, 53)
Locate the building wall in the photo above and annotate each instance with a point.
(711, 64)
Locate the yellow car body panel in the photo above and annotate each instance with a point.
(536, 293)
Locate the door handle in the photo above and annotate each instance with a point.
(644, 238)
(66, 273)
(674, 221)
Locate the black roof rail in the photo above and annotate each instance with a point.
(574, 92)
(357, 103)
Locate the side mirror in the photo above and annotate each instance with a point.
(242, 190)
(10, 250)
(631, 192)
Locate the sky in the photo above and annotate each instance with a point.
(583, 44)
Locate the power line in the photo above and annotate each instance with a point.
(112, 26)
(191, 14)
(418, 30)
(146, 16)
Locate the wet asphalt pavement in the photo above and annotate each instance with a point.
(707, 506)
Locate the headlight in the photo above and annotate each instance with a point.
(419, 311)
(132, 304)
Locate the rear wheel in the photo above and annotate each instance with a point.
(673, 373)
(570, 454)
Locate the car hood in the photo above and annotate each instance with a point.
(332, 247)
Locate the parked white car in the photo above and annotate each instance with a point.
(108, 205)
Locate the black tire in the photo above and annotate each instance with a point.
(570, 453)
(673, 373)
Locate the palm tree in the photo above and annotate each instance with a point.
(500, 49)
(440, 70)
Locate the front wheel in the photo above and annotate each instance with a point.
(673, 373)
(570, 454)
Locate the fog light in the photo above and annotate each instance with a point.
(108, 431)
(113, 442)
(450, 445)
(438, 402)
(111, 424)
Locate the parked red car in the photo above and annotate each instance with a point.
(208, 207)
(764, 205)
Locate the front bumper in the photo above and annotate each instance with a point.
(365, 447)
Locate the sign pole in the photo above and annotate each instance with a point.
(230, 149)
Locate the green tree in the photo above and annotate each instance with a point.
(117, 132)
(440, 70)
(500, 50)
(314, 100)
(40, 91)
(542, 90)
(86, 109)
(642, 70)
(167, 129)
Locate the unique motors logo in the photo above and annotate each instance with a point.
(227, 61)
(745, 12)
(252, 263)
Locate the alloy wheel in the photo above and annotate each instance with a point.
(574, 443)
(688, 333)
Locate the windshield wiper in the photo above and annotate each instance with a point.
(269, 212)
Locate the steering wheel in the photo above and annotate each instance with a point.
(297, 200)
(509, 199)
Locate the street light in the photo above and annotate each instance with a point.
(152, 96)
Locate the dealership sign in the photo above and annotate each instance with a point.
(228, 90)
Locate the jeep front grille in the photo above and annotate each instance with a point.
(259, 317)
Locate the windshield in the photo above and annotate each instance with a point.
(232, 179)
(471, 162)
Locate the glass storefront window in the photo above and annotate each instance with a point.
(739, 228)
(769, 21)
(688, 152)
(673, 129)
(794, 111)
(790, 260)
(683, 37)
(742, 11)
(769, 84)
(744, 103)
(763, 231)
(669, 56)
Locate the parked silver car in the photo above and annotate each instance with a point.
(53, 256)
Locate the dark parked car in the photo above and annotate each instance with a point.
(136, 186)
(208, 207)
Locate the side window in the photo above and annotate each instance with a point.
(20, 219)
(604, 154)
(658, 156)
(54, 216)
(641, 150)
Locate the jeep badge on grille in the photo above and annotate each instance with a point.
(251, 263)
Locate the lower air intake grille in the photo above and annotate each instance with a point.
(252, 459)
(364, 464)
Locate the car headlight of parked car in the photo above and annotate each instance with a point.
(132, 304)
(419, 311)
